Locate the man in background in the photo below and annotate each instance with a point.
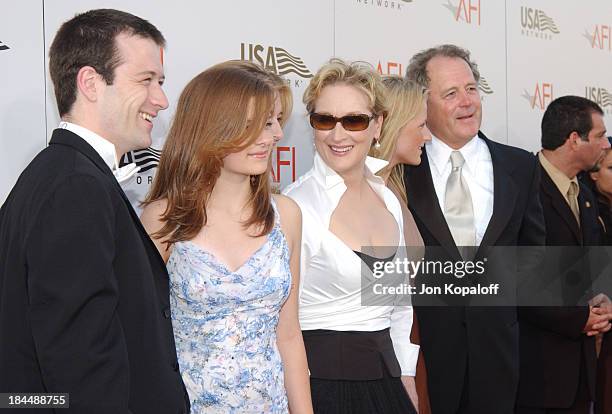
(557, 343)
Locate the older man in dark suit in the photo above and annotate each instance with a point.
(558, 359)
(469, 191)
(84, 305)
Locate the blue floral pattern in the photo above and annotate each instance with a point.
(225, 327)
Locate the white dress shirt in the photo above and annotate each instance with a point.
(330, 282)
(105, 149)
(477, 173)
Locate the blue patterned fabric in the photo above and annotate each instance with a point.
(225, 327)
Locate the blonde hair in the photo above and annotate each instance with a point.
(212, 122)
(406, 99)
(360, 75)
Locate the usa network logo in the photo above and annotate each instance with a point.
(277, 60)
(384, 4)
(3, 46)
(146, 159)
(601, 96)
(542, 95)
(536, 23)
(599, 37)
(467, 11)
(483, 87)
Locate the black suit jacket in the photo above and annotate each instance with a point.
(84, 306)
(552, 342)
(472, 352)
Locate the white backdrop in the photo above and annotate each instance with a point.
(529, 52)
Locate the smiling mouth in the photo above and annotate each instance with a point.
(340, 150)
(260, 155)
(463, 118)
(147, 117)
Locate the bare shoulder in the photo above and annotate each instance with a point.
(288, 209)
(151, 215)
(290, 217)
(151, 219)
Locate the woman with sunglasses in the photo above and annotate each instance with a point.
(231, 247)
(360, 357)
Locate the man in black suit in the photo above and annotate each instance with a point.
(84, 306)
(468, 191)
(558, 359)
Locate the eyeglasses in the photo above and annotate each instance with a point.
(357, 122)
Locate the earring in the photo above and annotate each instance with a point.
(376, 144)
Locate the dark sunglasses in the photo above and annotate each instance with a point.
(357, 122)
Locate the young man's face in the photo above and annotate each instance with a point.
(128, 106)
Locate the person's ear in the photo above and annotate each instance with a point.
(86, 81)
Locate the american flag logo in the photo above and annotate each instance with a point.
(146, 159)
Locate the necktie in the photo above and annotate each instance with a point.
(458, 208)
(572, 197)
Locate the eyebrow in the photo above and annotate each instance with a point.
(152, 73)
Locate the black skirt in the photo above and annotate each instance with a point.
(381, 396)
(355, 373)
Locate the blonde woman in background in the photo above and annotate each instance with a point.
(404, 133)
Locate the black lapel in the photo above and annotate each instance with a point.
(559, 203)
(64, 137)
(423, 202)
(505, 193)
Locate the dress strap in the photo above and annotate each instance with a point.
(276, 213)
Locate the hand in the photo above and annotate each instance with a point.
(599, 319)
(600, 299)
(410, 386)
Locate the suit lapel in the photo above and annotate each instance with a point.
(424, 203)
(560, 205)
(505, 194)
(68, 138)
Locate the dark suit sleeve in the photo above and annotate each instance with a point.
(565, 321)
(73, 298)
(532, 232)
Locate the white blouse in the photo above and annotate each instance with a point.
(330, 282)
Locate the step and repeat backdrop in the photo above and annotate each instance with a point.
(529, 52)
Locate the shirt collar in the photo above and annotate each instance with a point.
(562, 181)
(439, 153)
(329, 178)
(103, 147)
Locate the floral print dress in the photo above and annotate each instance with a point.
(225, 326)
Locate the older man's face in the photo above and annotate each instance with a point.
(454, 110)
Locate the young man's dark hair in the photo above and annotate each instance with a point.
(565, 115)
(89, 40)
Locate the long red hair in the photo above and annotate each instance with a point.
(212, 120)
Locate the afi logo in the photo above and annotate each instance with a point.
(599, 95)
(282, 161)
(275, 59)
(467, 10)
(542, 95)
(391, 68)
(600, 39)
